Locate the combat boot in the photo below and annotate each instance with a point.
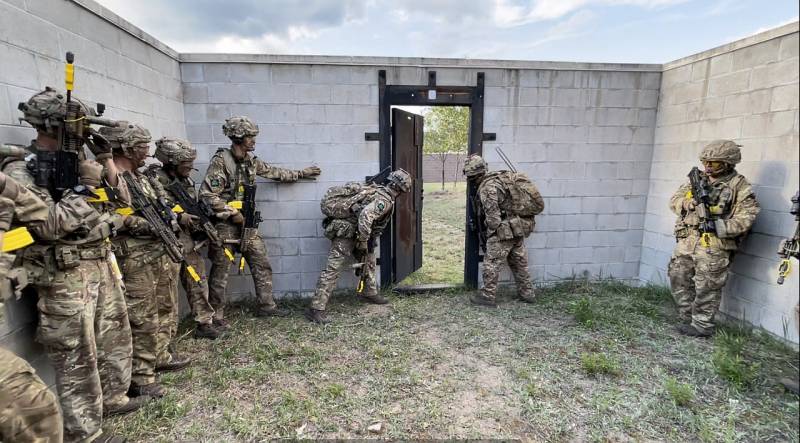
(206, 331)
(527, 298)
(221, 324)
(691, 331)
(791, 385)
(316, 316)
(177, 363)
(153, 390)
(274, 312)
(132, 405)
(375, 299)
(480, 300)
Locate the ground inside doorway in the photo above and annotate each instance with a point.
(587, 361)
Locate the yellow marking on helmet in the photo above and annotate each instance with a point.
(16, 239)
(125, 211)
(229, 254)
(192, 273)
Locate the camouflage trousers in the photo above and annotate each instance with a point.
(28, 410)
(255, 254)
(196, 292)
(150, 292)
(497, 253)
(697, 275)
(341, 249)
(83, 325)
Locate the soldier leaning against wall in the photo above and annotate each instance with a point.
(28, 409)
(714, 216)
(790, 249)
(231, 171)
(82, 314)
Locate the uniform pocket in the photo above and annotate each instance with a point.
(60, 323)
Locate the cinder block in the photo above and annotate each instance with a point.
(22, 71)
(533, 134)
(351, 94)
(563, 205)
(612, 221)
(297, 191)
(283, 246)
(311, 114)
(270, 229)
(198, 133)
(630, 204)
(772, 124)
(291, 74)
(614, 254)
(789, 47)
(700, 70)
(587, 79)
(363, 75)
(601, 170)
(756, 55)
(454, 76)
(298, 228)
(228, 93)
(550, 256)
(563, 97)
(597, 205)
(313, 94)
(755, 102)
(285, 209)
(286, 282)
(725, 128)
(580, 222)
(535, 78)
(785, 98)
(721, 64)
(687, 92)
(314, 245)
(494, 96)
(576, 255)
(249, 73)
(647, 99)
(191, 72)
(267, 93)
(632, 254)
(620, 80)
(775, 74)
(550, 223)
(672, 77)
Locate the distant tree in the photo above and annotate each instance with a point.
(446, 134)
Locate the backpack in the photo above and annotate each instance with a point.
(525, 200)
(339, 201)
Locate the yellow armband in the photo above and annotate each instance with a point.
(16, 239)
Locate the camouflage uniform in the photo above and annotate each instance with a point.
(698, 273)
(366, 221)
(505, 233)
(82, 314)
(197, 292)
(150, 275)
(223, 184)
(28, 409)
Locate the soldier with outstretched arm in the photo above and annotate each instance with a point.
(230, 175)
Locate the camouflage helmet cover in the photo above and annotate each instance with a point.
(723, 151)
(474, 165)
(126, 136)
(239, 127)
(45, 110)
(400, 179)
(173, 151)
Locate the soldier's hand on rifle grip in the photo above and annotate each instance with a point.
(186, 220)
(362, 245)
(98, 144)
(311, 171)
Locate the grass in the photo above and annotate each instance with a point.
(434, 367)
(443, 219)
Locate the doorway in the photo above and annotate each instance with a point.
(392, 248)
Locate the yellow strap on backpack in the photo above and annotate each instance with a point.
(236, 204)
(177, 209)
(16, 239)
(125, 211)
(192, 273)
(102, 196)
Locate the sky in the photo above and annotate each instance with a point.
(616, 31)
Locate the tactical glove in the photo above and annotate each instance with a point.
(99, 145)
(186, 220)
(311, 171)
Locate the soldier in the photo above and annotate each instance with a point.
(231, 169)
(699, 266)
(177, 157)
(28, 409)
(507, 223)
(149, 274)
(361, 212)
(83, 322)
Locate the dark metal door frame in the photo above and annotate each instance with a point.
(420, 95)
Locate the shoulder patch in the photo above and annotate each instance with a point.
(381, 205)
(214, 182)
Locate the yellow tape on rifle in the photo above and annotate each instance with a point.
(705, 239)
(785, 268)
(69, 76)
(360, 286)
(125, 211)
(16, 239)
(229, 254)
(102, 196)
(241, 265)
(236, 204)
(195, 276)
(177, 209)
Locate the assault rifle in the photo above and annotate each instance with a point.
(198, 208)
(58, 170)
(359, 268)
(252, 218)
(161, 218)
(505, 159)
(701, 195)
(476, 222)
(380, 177)
(790, 247)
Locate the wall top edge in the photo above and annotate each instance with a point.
(780, 31)
(419, 62)
(126, 26)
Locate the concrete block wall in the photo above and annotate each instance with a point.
(137, 77)
(583, 132)
(746, 91)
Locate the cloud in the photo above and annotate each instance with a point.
(516, 12)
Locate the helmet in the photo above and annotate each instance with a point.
(173, 150)
(400, 179)
(45, 110)
(239, 127)
(474, 166)
(91, 173)
(722, 151)
(125, 136)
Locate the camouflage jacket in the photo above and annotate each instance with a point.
(733, 205)
(375, 214)
(226, 175)
(492, 195)
(157, 173)
(136, 236)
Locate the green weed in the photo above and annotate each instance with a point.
(682, 394)
(597, 363)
